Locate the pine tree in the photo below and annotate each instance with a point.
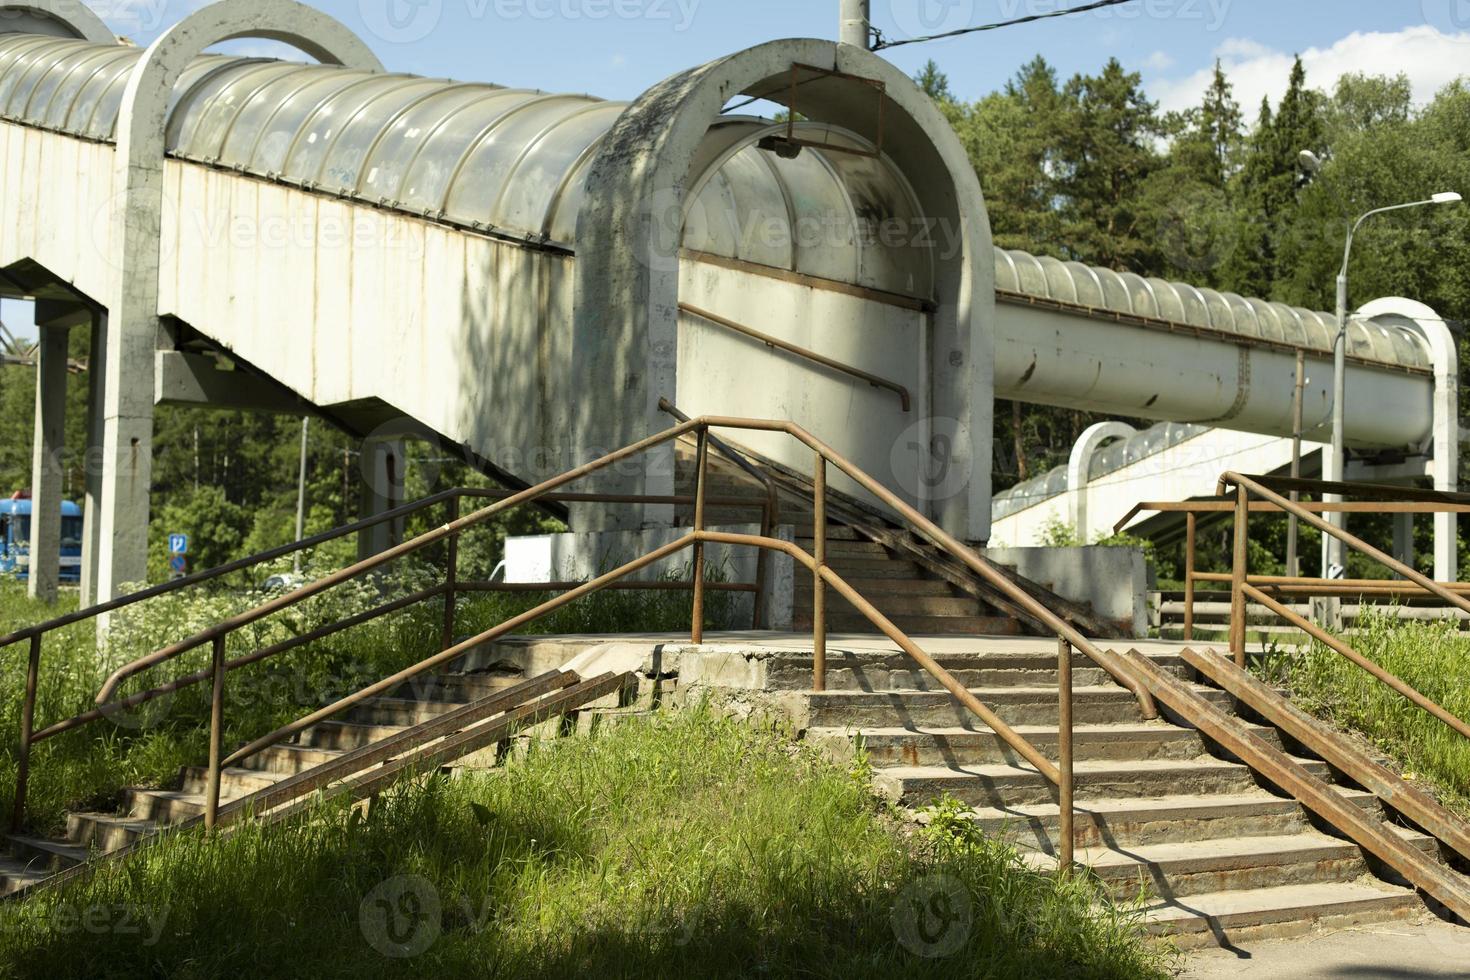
(1105, 155)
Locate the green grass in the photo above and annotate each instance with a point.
(1433, 658)
(86, 768)
(682, 845)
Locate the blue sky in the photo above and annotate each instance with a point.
(617, 48)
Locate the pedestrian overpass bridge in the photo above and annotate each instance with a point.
(522, 276)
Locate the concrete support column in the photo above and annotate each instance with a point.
(126, 455)
(92, 505)
(1403, 538)
(381, 490)
(47, 466)
(134, 244)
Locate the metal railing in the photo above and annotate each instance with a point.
(1412, 502)
(1245, 587)
(823, 578)
(778, 344)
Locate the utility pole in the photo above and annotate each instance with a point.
(301, 496)
(1293, 565)
(856, 23)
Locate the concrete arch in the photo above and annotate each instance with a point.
(626, 322)
(1080, 461)
(1444, 352)
(59, 18)
(136, 226)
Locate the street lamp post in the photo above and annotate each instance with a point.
(1334, 566)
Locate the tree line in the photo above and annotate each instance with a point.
(1089, 169)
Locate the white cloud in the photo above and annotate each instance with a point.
(1429, 58)
(1159, 61)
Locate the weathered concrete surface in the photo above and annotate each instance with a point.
(1421, 947)
(1113, 580)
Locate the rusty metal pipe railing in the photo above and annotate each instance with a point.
(264, 653)
(823, 574)
(770, 513)
(959, 550)
(458, 650)
(962, 694)
(1327, 639)
(1352, 541)
(776, 342)
(1065, 788)
(377, 561)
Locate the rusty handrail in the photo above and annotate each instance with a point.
(1327, 639)
(963, 552)
(1249, 485)
(877, 382)
(451, 529)
(1244, 587)
(823, 576)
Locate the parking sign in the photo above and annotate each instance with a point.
(178, 544)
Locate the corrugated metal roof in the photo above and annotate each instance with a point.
(1176, 302)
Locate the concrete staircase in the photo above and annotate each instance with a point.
(1217, 855)
(144, 812)
(918, 602)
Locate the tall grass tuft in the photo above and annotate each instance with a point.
(682, 845)
(1433, 658)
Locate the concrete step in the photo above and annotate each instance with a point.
(106, 831)
(164, 806)
(18, 874)
(964, 746)
(857, 671)
(873, 589)
(459, 688)
(858, 710)
(803, 528)
(844, 548)
(1003, 785)
(1129, 822)
(288, 760)
(880, 671)
(234, 782)
(856, 570)
(919, 626)
(1193, 867)
(402, 712)
(40, 855)
(345, 735)
(893, 605)
(1238, 917)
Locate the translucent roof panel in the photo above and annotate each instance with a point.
(518, 162)
(1181, 303)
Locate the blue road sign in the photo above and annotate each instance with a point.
(178, 564)
(178, 544)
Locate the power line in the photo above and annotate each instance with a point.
(881, 43)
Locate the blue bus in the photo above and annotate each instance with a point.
(15, 536)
